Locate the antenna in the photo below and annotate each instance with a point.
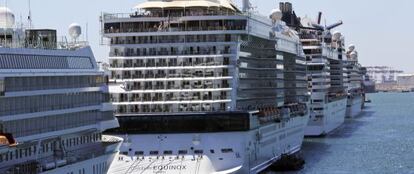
(5, 34)
(29, 18)
(87, 32)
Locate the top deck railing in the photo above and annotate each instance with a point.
(60, 45)
(108, 16)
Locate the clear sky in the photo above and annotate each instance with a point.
(382, 30)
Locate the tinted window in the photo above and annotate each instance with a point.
(228, 122)
(2, 86)
(198, 151)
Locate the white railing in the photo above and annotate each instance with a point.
(61, 45)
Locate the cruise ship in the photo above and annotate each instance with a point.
(54, 104)
(201, 86)
(354, 83)
(325, 56)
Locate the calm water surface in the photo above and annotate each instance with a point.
(380, 141)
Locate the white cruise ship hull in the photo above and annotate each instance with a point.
(333, 117)
(97, 165)
(354, 107)
(220, 153)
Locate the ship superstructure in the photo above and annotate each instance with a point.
(356, 93)
(203, 87)
(325, 55)
(54, 105)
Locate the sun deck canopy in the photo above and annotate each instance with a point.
(187, 3)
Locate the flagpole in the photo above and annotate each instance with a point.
(5, 28)
(30, 15)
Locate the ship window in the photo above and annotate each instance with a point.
(154, 153)
(188, 123)
(211, 151)
(279, 57)
(139, 153)
(182, 152)
(2, 88)
(226, 150)
(316, 67)
(198, 151)
(168, 152)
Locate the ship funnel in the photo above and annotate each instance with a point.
(286, 7)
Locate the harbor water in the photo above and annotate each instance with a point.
(380, 140)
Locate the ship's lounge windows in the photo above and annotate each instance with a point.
(187, 123)
(154, 152)
(2, 89)
(14, 84)
(15, 61)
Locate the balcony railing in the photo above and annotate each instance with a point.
(161, 14)
(171, 29)
(169, 53)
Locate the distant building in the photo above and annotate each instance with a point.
(383, 74)
(405, 80)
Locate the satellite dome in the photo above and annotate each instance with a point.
(337, 35)
(75, 30)
(7, 18)
(276, 15)
(353, 55)
(351, 47)
(306, 22)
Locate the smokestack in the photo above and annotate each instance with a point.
(289, 7)
(282, 7)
